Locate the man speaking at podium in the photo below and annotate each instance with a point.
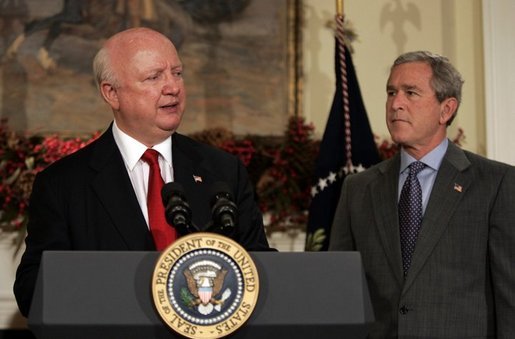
(107, 195)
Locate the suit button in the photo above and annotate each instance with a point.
(403, 310)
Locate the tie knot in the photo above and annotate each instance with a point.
(150, 157)
(416, 167)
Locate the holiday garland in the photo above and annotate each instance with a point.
(281, 168)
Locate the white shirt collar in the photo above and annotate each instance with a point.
(132, 149)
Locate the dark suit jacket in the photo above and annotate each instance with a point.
(462, 278)
(86, 202)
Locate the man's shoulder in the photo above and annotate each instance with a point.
(194, 147)
(373, 172)
(77, 161)
(484, 161)
(480, 169)
(484, 164)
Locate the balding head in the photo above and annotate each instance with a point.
(120, 47)
(139, 74)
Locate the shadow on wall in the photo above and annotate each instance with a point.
(398, 15)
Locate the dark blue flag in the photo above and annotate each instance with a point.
(332, 164)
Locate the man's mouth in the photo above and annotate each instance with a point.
(172, 105)
(399, 120)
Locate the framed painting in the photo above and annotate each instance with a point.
(242, 61)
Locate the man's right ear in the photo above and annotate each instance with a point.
(110, 95)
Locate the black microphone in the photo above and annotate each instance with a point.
(177, 209)
(224, 210)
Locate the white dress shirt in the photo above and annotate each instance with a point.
(138, 170)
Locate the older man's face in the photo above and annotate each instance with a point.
(150, 93)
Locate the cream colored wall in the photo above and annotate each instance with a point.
(385, 29)
(499, 52)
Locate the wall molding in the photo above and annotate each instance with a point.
(499, 56)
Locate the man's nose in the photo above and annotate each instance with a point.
(171, 86)
(398, 101)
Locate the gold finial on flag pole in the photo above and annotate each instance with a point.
(339, 7)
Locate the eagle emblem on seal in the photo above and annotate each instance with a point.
(205, 280)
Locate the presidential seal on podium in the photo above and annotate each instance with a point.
(205, 285)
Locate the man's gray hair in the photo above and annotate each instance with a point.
(102, 68)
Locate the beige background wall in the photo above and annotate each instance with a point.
(459, 29)
(499, 47)
(385, 29)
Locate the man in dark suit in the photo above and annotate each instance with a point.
(447, 268)
(96, 198)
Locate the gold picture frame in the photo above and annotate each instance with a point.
(243, 61)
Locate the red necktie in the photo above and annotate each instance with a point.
(162, 233)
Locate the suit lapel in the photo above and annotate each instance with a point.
(183, 174)
(114, 190)
(451, 184)
(384, 200)
(194, 176)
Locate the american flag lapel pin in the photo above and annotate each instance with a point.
(197, 178)
(458, 187)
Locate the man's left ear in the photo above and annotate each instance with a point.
(448, 108)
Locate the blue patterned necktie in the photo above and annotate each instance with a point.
(410, 214)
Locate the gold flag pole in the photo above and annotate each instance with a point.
(339, 7)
